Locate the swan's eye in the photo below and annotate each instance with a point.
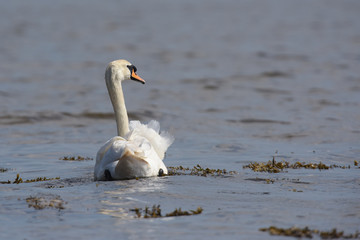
(161, 172)
(132, 68)
(133, 75)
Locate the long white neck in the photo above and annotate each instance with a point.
(118, 102)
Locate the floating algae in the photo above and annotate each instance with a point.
(289, 232)
(199, 171)
(273, 166)
(41, 179)
(179, 212)
(73, 158)
(155, 212)
(18, 180)
(39, 203)
(308, 233)
(335, 234)
(265, 180)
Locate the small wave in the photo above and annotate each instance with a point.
(260, 121)
(25, 118)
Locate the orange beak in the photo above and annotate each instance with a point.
(136, 77)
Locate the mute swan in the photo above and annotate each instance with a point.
(139, 149)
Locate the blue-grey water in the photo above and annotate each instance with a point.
(234, 81)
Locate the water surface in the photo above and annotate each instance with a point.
(234, 81)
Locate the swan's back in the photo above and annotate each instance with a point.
(138, 154)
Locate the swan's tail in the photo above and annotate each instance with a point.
(151, 131)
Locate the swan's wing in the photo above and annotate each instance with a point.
(160, 141)
(105, 148)
(107, 155)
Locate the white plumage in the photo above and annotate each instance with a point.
(141, 149)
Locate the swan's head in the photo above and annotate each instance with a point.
(122, 70)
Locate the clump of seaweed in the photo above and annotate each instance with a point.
(41, 202)
(306, 232)
(3, 169)
(41, 179)
(199, 171)
(335, 234)
(289, 232)
(155, 212)
(18, 180)
(179, 212)
(273, 166)
(74, 158)
(270, 166)
(265, 180)
(54, 186)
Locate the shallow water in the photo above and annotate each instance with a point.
(233, 81)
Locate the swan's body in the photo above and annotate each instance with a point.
(138, 150)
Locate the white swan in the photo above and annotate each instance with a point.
(139, 149)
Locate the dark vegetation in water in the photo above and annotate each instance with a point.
(199, 171)
(73, 158)
(18, 180)
(265, 180)
(3, 169)
(46, 202)
(308, 233)
(273, 74)
(273, 166)
(273, 180)
(55, 186)
(155, 212)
